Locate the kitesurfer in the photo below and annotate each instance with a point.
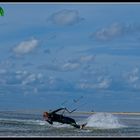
(52, 116)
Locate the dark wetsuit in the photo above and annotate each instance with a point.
(53, 117)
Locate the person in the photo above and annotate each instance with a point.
(51, 117)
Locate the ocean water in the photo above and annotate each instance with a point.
(21, 124)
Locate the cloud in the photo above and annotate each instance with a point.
(105, 83)
(82, 59)
(29, 82)
(99, 83)
(115, 30)
(62, 68)
(69, 65)
(20, 78)
(26, 46)
(87, 58)
(132, 79)
(133, 76)
(108, 33)
(65, 17)
(131, 28)
(52, 67)
(31, 78)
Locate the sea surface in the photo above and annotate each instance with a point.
(100, 124)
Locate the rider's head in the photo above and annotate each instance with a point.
(45, 114)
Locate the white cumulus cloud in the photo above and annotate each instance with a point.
(26, 46)
(65, 17)
(115, 30)
(110, 32)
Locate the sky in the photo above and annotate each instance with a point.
(74, 55)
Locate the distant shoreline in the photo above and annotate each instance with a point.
(119, 113)
(76, 112)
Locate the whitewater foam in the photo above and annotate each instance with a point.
(103, 121)
(23, 121)
(60, 125)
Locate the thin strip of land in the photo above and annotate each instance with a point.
(75, 112)
(119, 113)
